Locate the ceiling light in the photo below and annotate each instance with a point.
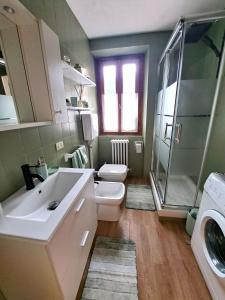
(9, 9)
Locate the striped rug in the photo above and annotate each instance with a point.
(112, 274)
(139, 197)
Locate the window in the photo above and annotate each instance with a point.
(120, 94)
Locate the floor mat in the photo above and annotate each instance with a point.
(112, 273)
(139, 197)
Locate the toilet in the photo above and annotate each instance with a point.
(108, 197)
(113, 172)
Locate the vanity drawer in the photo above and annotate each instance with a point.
(70, 245)
(88, 225)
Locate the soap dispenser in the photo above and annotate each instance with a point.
(41, 167)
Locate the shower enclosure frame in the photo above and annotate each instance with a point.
(182, 26)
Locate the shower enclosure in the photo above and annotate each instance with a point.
(188, 74)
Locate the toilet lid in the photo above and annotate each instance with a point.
(108, 169)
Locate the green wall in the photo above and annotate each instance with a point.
(215, 160)
(25, 146)
(152, 44)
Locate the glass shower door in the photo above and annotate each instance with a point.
(157, 120)
(168, 98)
(201, 59)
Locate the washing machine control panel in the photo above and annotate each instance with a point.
(215, 187)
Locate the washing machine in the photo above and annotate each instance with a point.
(208, 240)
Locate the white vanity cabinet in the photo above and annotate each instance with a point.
(70, 245)
(52, 269)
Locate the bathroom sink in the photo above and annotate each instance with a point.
(35, 204)
(25, 214)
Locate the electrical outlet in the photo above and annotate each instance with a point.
(59, 145)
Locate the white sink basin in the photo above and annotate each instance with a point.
(26, 214)
(33, 205)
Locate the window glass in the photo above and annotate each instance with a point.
(129, 76)
(109, 75)
(129, 99)
(110, 113)
(110, 100)
(129, 112)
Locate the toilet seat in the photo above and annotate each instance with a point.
(113, 172)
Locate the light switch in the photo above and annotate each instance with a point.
(59, 145)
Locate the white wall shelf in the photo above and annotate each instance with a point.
(78, 108)
(71, 73)
(7, 127)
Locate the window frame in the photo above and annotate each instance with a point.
(118, 61)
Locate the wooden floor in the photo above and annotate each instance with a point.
(165, 264)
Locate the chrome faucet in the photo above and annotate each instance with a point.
(28, 176)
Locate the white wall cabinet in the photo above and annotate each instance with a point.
(54, 72)
(30, 42)
(51, 269)
(36, 75)
(12, 53)
(41, 51)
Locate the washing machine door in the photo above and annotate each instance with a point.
(213, 240)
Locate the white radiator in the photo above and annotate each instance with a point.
(120, 151)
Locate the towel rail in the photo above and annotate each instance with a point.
(67, 156)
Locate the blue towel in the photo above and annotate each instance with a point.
(81, 164)
(75, 162)
(83, 154)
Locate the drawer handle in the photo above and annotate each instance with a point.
(80, 205)
(84, 238)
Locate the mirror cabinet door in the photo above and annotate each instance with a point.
(15, 102)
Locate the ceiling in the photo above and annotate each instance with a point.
(101, 18)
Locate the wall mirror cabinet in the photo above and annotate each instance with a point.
(31, 75)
